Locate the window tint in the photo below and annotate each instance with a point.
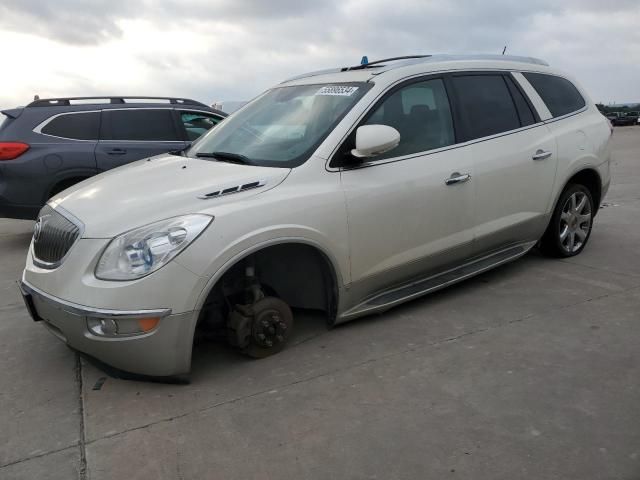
(559, 94)
(197, 123)
(421, 113)
(485, 105)
(78, 126)
(149, 125)
(524, 110)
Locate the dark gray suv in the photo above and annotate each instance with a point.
(52, 144)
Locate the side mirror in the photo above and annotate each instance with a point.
(372, 140)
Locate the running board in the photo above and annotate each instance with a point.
(397, 295)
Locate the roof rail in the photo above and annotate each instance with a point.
(362, 66)
(493, 57)
(415, 59)
(356, 67)
(66, 101)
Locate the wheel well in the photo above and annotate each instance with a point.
(298, 273)
(64, 184)
(590, 179)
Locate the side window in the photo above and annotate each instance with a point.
(141, 125)
(486, 105)
(421, 113)
(524, 110)
(197, 123)
(559, 94)
(77, 126)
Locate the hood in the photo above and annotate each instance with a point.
(160, 187)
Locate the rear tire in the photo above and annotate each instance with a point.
(571, 223)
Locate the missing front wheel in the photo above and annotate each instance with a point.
(261, 329)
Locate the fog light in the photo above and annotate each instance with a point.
(103, 326)
(121, 327)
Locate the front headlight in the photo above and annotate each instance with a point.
(139, 252)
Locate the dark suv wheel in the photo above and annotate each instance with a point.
(63, 185)
(571, 222)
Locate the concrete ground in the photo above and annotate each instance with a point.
(528, 371)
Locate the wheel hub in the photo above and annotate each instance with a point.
(269, 329)
(573, 222)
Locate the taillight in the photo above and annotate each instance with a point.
(11, 150)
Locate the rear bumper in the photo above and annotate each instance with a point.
(163, 352)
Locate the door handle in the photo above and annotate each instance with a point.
(542, 155)
(116, 151)
(457, 177)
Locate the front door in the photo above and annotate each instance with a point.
(410, 210)
(132, 134)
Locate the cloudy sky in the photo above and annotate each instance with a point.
(233, 49)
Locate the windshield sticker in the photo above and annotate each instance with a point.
(337, 90)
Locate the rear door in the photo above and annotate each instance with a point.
(514, 158)
(65, 148)
(131, 134)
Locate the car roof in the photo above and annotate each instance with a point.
(415, 64)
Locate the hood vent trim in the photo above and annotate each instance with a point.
(233, 189)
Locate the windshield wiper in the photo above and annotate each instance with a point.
(226, 157)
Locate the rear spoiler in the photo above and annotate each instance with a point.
(13, 113)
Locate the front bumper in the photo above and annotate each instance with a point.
(164, 351)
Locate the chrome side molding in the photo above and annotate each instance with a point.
(400, 294)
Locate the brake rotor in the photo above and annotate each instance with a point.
(271, 327)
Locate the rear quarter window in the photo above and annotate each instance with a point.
(559, 94)
(76, 126)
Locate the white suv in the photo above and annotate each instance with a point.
(347, 191)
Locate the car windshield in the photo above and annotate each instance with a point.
(282, 127)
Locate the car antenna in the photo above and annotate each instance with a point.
(504, 49)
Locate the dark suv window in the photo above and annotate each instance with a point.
(197, 123)
(559, 94)
(486, 105)
(77, 126)
(420, 112)
(139, 124)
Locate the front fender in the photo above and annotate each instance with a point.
(234, 259)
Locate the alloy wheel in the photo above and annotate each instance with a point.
(575, 222)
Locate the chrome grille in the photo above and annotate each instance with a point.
(53, 237)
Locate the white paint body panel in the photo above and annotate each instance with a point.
(161, 187)
(512, 189)
(402, 212)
